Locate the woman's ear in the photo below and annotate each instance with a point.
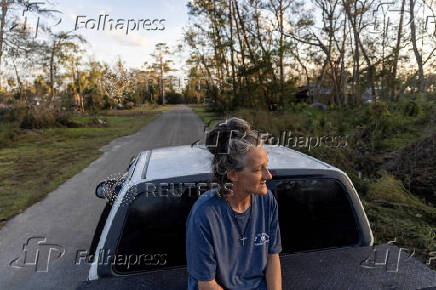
(232, 175)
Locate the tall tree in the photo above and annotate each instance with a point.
(397, 52)
(162, 64)
(56, 51)
(418, 55)
(279, 8)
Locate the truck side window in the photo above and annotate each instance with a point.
(315, 214)
(155, 229)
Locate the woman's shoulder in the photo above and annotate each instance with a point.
(268, 198)
(205, 206)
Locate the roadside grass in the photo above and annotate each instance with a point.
(394, 213)
(37, 161)
(207, 116)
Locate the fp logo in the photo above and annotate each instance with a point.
(38, 254)
(386, 257)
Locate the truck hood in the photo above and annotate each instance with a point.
(379, 267)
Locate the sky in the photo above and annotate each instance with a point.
(135, 45)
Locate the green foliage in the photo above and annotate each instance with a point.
(412, 108)
(14, 114)
(174, 98)
(38, 119)
(376, 128)
(389, 189)
(412, 228)
(8, 134)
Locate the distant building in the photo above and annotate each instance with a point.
(308, 94)
(35, 101)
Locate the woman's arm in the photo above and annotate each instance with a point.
(209, 285)
(273, 272)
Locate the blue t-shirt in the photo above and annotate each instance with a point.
(213, 246)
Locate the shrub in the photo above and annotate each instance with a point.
(174, 98)
(7, 135)
(412, 109)
(46, 119)
(14, 114)
(389, 189)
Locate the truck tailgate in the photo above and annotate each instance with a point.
(379, 267)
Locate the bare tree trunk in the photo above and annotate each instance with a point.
(356, 66)
(247, 44)
(318, 83)
(343, 72)
(218, 47)
(242, 48)
(162, 88)
(356, 51)
(244, 31)
(20, 83)
(77, 84)
(281, 54)
(297, 57)
(5, 8)
(52, 68)
(231, 48)
(397, 53)
(418, 56)
(359, 44)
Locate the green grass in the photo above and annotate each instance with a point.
(395, 213)
(38, 161)
(207, 116)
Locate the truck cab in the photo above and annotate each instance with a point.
(326, 237)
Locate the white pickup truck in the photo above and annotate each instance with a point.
(326, 237)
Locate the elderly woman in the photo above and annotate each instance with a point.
(232, 235)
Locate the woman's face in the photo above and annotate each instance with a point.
(252, 179)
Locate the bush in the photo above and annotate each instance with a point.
(7, 135)
(412, 109)
(14, 114)
(47, 119)
(174, 98)
(392, 190)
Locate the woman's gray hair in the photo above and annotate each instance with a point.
(229, 142)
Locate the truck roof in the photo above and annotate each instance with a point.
(168, 162)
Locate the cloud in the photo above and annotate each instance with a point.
(132, 39)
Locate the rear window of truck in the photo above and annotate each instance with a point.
(314, 213)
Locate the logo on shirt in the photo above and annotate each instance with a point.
(261, 239)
